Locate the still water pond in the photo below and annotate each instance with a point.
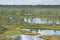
(36, 37)
(41, 32)
(25, 37)
(41, 21)
(44, 32)
(28, 37)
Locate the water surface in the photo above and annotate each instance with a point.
(40, 21)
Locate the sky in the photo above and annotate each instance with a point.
(30, 2)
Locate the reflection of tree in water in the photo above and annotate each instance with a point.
(18, 38)
(36, 30)
(54, 30)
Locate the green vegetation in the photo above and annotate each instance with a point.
(4, 38)
(50, 37)
(2, 29)
(12, 17)
(18, 32)
(9, 33)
